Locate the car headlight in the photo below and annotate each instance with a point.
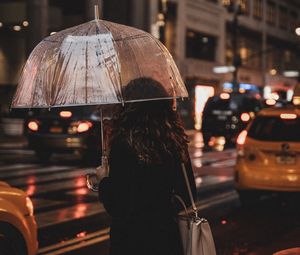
(29, 206)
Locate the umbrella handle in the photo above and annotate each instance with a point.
(174, 105)
(96, 9)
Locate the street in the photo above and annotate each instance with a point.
(72, 221)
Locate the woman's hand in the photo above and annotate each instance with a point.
(102, 170)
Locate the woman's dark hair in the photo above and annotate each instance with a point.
(151, 127)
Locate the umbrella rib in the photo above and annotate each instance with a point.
(166, 57)
(86, 71)
(119, 64)
(60, 78)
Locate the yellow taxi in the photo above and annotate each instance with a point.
(269, 152)
(18, 229)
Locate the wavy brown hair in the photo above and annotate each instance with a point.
(152, 128)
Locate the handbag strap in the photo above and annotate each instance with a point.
(189, 189)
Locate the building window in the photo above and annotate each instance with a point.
(283, 18)
(200, 46)
(258, 9)
(226, 2)
(244, 6)
(293, 21)
(271, 13)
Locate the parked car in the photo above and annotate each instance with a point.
(269, 153)
(226, 114)
(18, 229)
(64, 130)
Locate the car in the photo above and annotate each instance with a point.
(269, 153)
(226, 114)
(64, 130)
(18, 228)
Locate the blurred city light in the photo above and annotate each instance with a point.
(297, 30)
(202, 93)
(296, 100)
(65, 114)
(270, 101)
(224, 96)
(25, 23)
(1, 24)
(291, 73)
(17, 28)
(242, 137)
(273, 71)
(288, 116)
(223, 69)
(245, 116)
(267, 92)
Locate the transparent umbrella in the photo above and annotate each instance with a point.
(90, 64)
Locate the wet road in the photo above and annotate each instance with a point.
(65, 209)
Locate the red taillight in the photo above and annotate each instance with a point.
(242, 137)
(245, 116)
(84, 126)
(224, 96)
(65, 114)
(288, 116)
(270, 101)
(33, 125)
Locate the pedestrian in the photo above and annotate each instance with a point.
(147, 147)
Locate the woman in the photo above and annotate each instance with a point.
(147, 147)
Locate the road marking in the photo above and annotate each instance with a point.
(63, 215)
(76, 243)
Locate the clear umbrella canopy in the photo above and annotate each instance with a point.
(91, 63)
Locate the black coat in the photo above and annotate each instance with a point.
(138, 197)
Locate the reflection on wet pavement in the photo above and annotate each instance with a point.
(59, 191)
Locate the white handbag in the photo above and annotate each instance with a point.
(195, 232)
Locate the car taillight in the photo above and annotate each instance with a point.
(288, 116)
(33, 125)
(84, 126)
(270, 102)
(245, 117)
(65, 114)
(242, 137)
(224, 96)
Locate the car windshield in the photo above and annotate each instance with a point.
(236, 103)
(275, 129)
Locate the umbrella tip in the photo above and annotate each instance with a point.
(96, 8)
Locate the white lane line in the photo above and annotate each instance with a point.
(17, 166)
(50, 177)
(35, 170)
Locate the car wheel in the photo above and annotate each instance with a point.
(248, 197)
(11, 241)
(43, 156)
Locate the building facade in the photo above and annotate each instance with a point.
(257, 36)
(266, 42)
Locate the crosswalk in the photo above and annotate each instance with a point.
(59, 191)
